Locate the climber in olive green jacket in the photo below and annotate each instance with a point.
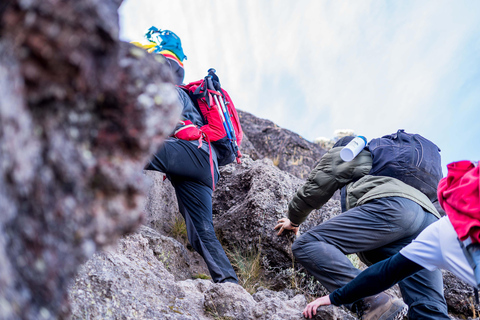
(332, 173)
(381, 216)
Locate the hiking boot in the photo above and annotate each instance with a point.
(381, 307)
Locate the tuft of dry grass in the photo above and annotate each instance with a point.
(201, 276)
(212, 311)
(276, 160)
(179, 229)
(298, 161)
(248, 265)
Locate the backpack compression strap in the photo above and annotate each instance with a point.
(466, 247)
(190, 132)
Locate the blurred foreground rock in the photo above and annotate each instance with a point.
(80, 113)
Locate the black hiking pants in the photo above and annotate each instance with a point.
(188, 168)
(375, 231)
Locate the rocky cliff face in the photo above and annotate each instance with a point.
(136, 280)
(287, 150)
(151, 275)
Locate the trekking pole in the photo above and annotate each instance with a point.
(219, 107)
(226, 116)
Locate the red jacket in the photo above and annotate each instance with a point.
(459, 196)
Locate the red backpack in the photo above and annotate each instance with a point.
(222, 126)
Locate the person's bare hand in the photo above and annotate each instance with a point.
(285, 224)
(311, 308)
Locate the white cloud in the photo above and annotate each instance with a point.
(316, 66)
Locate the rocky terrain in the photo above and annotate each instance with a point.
(151, 275)
(154, 274)
(85, 233)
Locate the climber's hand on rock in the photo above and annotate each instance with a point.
(285, 224)
(311, 308)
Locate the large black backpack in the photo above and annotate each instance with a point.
(410, 158)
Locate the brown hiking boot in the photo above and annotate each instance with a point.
(381, 307)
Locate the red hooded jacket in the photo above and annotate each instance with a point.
(459, 196)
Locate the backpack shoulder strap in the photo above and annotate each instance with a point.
(188, 90)
(464, 245)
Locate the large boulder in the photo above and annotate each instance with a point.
(249, 200)
(288, 150)
(161, 206)
(139, 279)
(247, 147)
(130, 280)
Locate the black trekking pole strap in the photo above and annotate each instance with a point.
(202, 91)
(216, 84)
(215, 79)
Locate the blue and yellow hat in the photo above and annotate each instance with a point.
(162, 40)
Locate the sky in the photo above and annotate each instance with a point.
(315, 66)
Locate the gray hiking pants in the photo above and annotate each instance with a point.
(375, 231)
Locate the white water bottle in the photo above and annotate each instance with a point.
(353, 148)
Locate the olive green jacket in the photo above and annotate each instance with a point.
(332, 173)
